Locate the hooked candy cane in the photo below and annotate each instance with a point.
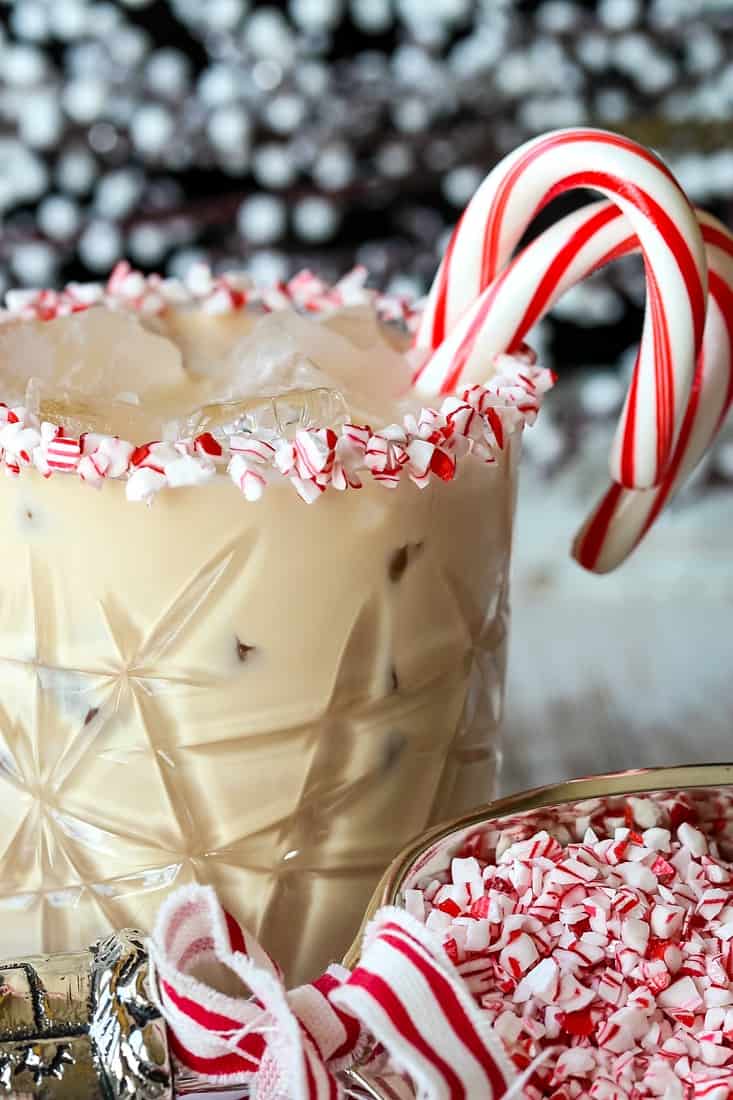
(661, 217)
(623, 516)
(565, 254)
(531, 284)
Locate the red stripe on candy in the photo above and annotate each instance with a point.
(590, 546)
(496, 214)
(466, 346)
(557, 269)
(718, 238)
(663, 373)
(438, 326)
(723, 294)
(497, 425)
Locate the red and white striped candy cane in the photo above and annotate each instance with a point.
(662, 219)
(530, 285)
(623, 516)
(565, 254)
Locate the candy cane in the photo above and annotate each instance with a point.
(662, 219)
(565, 254)
(531, 284)
(624, 516)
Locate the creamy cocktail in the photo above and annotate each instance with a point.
(292, 660)
(267, 695)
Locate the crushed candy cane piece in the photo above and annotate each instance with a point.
(604, 961)
(426, 446)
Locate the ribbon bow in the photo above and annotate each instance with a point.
(232, 1021)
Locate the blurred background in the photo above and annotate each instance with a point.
(325, 133)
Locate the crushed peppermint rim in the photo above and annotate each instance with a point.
(600, 949)
(429, 444)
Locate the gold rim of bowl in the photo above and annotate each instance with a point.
(638, 781)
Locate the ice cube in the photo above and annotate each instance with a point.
(284, 413)
(81, 412)
(204, 339)
(319, 408)
(362, 326)
(346, 352)
(99, 351)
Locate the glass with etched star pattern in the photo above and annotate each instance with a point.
(285, 665)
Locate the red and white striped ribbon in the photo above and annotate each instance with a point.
(407, 994)
(404, 998)
(640, 185)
